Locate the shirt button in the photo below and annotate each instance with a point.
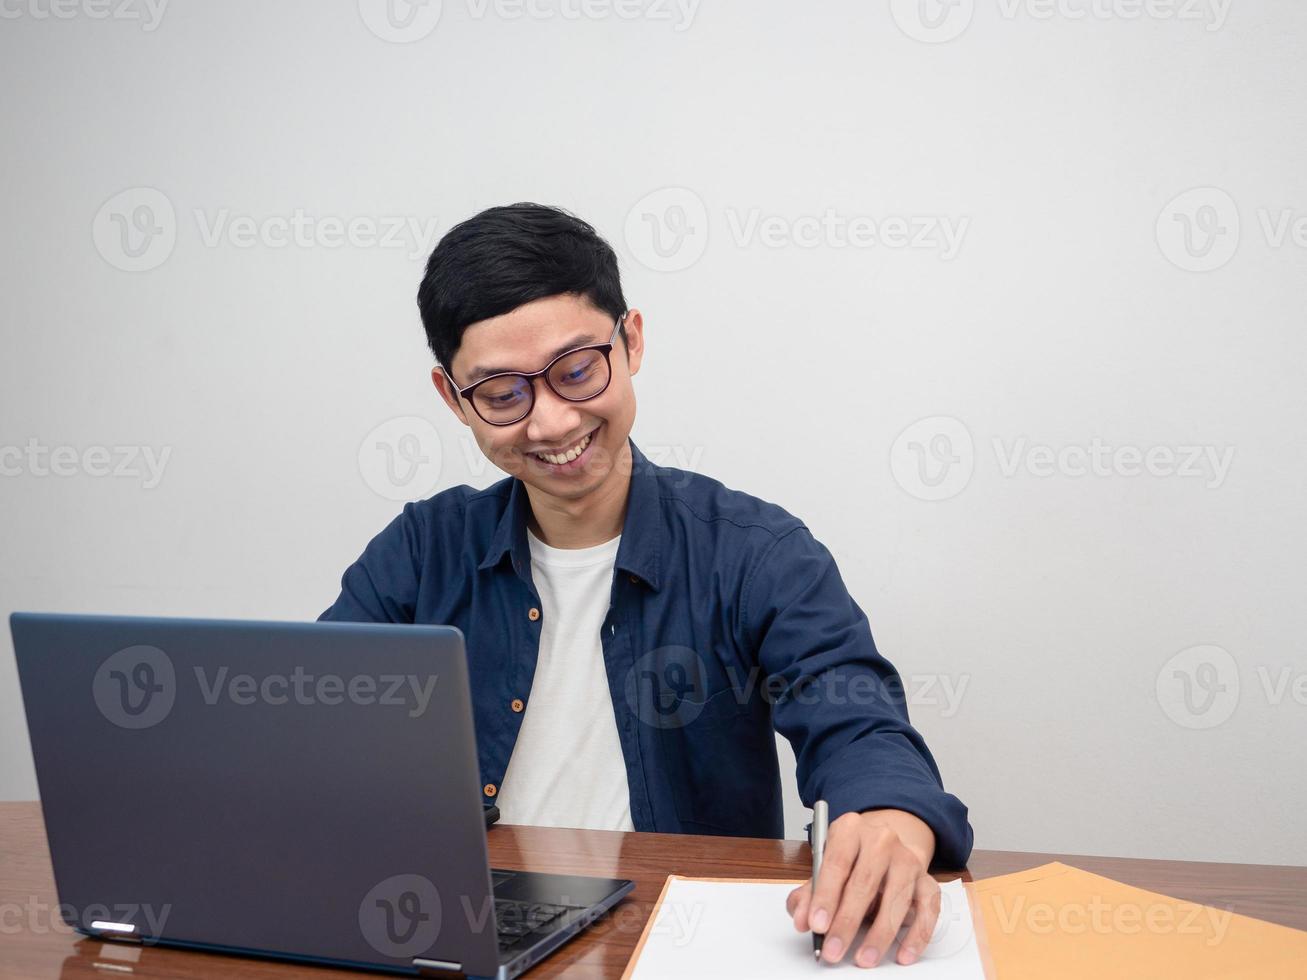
(635, 579)
(517, 704)
(533, 614)
(489, 789)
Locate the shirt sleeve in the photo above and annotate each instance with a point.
(841, 704)
(382, 585)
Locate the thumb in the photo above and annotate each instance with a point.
(797, 904)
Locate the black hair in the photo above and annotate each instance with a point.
(506, 256)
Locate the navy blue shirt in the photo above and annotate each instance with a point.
(726, 617)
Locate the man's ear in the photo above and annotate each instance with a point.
(634, 331)
(445, 386)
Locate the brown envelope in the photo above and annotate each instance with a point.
(1058, 921)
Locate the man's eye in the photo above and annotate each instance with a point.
(501, 396)
(580, 374)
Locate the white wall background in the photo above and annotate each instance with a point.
(1068, 312)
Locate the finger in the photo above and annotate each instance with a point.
(859, 892)
(796, 903)
(925, 913)
(895, 900)
(837, 861)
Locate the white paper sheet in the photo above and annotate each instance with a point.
(741, 929)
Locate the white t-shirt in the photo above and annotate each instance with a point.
(567, 768)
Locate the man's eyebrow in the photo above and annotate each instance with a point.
(580, 340)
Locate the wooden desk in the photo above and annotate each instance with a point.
(35, 944)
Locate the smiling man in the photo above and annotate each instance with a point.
(634, 632)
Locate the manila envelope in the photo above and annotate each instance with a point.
(1059, 921)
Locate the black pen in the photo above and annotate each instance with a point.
(817, 841)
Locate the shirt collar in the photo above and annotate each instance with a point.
(643, 534)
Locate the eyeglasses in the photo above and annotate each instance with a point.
(576, 375)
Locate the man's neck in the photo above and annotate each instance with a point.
(596, 518)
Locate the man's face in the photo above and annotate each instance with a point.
(526, 340)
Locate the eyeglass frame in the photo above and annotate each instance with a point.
(530, 376)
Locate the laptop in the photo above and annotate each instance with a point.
(303, 791)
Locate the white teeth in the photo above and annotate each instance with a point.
(567, 457)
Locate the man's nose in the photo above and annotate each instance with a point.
(553, 418)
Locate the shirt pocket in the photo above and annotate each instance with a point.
(723, 761)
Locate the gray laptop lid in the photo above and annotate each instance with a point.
(299, 789)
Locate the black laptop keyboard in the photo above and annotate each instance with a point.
(513, 920)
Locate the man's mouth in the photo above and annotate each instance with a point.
(569, 456)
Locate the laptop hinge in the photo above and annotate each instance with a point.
(440, 969)
(124, 932)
